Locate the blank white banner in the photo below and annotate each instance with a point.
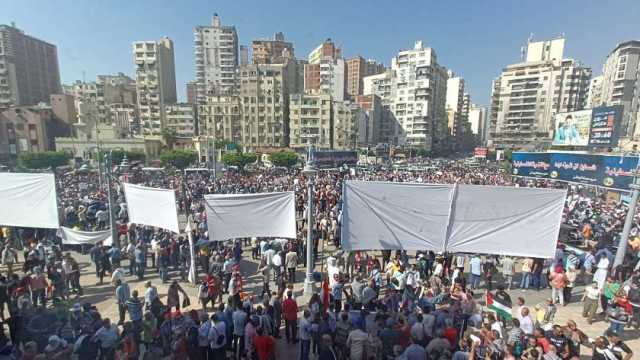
(76, 237)
(152, 206)
(453, 218)
(28, 200)
(232, 216)
(385, 215)
(504, 220)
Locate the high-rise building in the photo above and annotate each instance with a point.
(244, 55)
(311, 121)
(455, 104)
(326, 49)
(264, 95)
(276, 51)
(594, 97)
(216, 53)
(420, 98)
(478, 122)
(356, 69)
(527, 95)
(621, 84)
(29, 71)
(180, 118)
(325, 71)
(221, 118)
(155, 82)
(106, 91)
(191, 92)
(374, 130)
(347, 117)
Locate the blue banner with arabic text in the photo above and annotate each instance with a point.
(531, 164)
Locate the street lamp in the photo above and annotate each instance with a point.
(112, 217)
(310, 172)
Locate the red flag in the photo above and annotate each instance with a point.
(325, 294)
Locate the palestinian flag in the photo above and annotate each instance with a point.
(501, 309)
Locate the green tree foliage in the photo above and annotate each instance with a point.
(178, 158)
(169, 137)
(284, 158)
(422, 152)
(43, 160)
(239, 159)
(118, 155)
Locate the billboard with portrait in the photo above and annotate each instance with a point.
(572, 128)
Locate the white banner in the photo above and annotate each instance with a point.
(454, 218)
(76, 237)
(505, 220)
(152, 206)
(28, 200)
(232, 216)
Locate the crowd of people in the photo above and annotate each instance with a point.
(369, 304)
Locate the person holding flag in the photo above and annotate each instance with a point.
(500, 303)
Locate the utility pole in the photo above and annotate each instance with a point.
(310, 172)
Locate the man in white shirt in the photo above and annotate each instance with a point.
(507, 270)
(305, 335)
(526, 323)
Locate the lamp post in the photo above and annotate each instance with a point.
(310, 172)
(112, 217)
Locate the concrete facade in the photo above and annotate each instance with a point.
(274, 51)
(29, 71)
(356, 69)
(155, 82)
(311, 121)
(527, 95)
(180, 117)
(621, 84)
(216, 58)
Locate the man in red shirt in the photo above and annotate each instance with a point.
(38, 285)
(264, 345)
(290, 310)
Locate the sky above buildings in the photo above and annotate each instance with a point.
(474, 38)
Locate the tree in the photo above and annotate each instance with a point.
(422, 152)
(179, 159)
(284, 158)
(169, 136)
(42, 160)
(239, 159)
(134, 155)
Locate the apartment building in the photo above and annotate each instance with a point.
(455, 104)
(621, 84)
(216, 58)
(311, 121)
(272, 51)
(155, 82)
(325, 71)
(527, 95)
(221, 118)
(29, 71)
(180, 118)
(478, 122)
(420, 97)
(356, 69)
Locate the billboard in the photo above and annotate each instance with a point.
(480, 152)
(572, 128)
(335, 158)
(585, 169)
(605, 126)
(618, 171)
(531, 164)
(614, 172)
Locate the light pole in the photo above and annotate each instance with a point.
(628, 221)
(112, 216)
(310, 172)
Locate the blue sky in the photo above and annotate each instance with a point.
(473, 38)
